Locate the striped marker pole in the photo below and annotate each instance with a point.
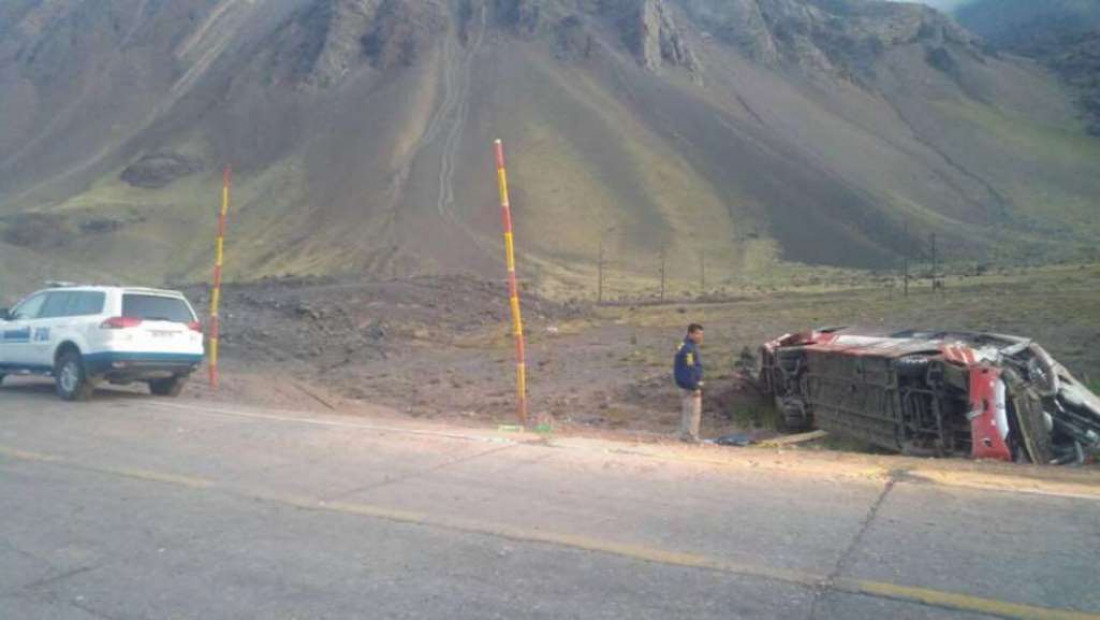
(216, 294)
(513, 288)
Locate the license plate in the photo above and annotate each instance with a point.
(162, 334)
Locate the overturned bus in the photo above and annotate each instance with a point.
(928, 393)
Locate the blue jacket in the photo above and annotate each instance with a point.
(688, 367)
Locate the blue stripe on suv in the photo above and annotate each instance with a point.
(45, 370)
(119, 356)
(98, 362)
(15, 336)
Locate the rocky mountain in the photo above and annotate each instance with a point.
(1062, 34)
(1029, 26)
(759, 134)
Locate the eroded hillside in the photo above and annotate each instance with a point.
(755, 133)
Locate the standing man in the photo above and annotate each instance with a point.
(688, 372)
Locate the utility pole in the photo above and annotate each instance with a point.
(599, 274)
(702, 273)
(906, 272)
(935, 271)
(662, 297)
(600, 264)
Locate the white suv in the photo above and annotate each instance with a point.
(82, 335)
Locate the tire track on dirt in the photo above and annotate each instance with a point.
(456, 72)
(457, 69)
(461, 102)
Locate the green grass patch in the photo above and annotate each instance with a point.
(1049, 183)
(1094, 386)
(1069, 146)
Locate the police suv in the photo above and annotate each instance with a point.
(83, 335)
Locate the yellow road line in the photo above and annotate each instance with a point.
(961, 602)
(24, 455)
(125, 472)
(154, 476)
(1072, 489)
(924, 596)
(636, 552)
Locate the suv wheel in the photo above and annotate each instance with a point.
(72, 382)
(168, 387)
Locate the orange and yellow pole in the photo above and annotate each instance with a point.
(216, 294)
(513, 287)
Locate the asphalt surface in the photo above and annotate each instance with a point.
(132, 507)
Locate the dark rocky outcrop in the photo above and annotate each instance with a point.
(648, 30)
(941, 58)
(842, 37)
(40, 231)
(160, 169)
(572, 39)
(326, 41)
(321, 43)
(1077, 61)
(520, 15)
(1062, 34)
(402, 30)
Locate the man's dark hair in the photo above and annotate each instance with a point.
(694, 327)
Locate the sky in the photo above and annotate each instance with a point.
(944, 5)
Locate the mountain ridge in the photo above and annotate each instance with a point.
(758, 133)
(1064, 35)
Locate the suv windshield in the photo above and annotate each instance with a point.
(156, 308)
(29, 308)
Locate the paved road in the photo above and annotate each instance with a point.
(130, 507)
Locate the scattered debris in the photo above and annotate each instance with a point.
(739, 440)
(790, 440)
(931, 393)
(312, 394)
